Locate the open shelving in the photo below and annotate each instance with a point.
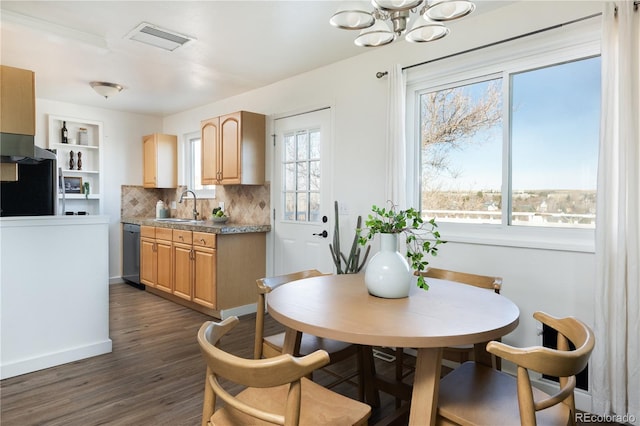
(92, 158)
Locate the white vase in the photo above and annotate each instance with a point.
(388, 274)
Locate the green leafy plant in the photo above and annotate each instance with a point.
(421, 237)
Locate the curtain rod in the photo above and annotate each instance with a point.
(381, 74)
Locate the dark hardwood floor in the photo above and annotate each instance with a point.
(155, 374)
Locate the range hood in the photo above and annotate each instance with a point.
(15, 148)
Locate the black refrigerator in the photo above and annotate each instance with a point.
(35, 192)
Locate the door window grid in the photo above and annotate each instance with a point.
(301, 176)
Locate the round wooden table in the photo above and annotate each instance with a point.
(448, 314)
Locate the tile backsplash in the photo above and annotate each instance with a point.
(245, 204)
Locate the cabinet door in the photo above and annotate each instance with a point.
(148, 262)
(204, 288)
(164, 269)
(209, 141)
(18, 102)
(230, 149)
(182, 275)
(149, 165)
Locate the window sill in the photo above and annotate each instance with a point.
(543, 238)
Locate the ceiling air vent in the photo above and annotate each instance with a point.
(158, 37)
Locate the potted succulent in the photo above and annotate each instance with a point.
(421, 238)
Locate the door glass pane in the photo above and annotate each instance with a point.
(301, 176)
(314, 175)
(314, 207)
(301, 207)
(314, 144)
(289, 178)
(289, 211)
(302, 145)
(289, 148)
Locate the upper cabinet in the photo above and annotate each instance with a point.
(233, 148)
(80, 162)
(160, 168)
(18, 101)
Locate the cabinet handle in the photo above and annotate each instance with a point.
(202, 240)
(181, 237)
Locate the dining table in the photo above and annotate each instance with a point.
(339, 307)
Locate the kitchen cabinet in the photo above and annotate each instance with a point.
(204, 269)
(17, 101)
(211, 273)
(182, 264)
(160, 161)
(156, 265)
(233, 149)
(85, 142)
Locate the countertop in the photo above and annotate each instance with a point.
(201, 226)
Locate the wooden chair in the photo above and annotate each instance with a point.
(276, 390)
(458, 354)
(476, 394)
(270, 346)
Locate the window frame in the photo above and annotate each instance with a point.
(550, 48)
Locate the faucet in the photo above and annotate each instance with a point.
(195, 202)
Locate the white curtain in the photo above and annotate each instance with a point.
(615, 362)
(396, 169)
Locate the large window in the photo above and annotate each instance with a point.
(514, 148)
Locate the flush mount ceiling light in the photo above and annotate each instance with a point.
(426, 25)
(105, 89)
(158, 37)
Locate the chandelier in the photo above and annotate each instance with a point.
(425, 25)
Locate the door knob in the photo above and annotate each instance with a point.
(323, 234)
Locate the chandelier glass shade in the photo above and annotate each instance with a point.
(389, 20)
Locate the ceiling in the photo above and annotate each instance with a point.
(239, 46)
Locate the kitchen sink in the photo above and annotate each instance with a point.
(179, 220)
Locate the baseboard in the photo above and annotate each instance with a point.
(53, 359)
(238, 311)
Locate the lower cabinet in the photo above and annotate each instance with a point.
(211, 273)
(204, 269)
(156, 262)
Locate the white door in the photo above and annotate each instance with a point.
(302, 197)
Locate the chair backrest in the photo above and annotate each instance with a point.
(266, 285)
(482, 281)
(260, 373)
(562, 363)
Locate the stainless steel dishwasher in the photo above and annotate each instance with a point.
(131, 254)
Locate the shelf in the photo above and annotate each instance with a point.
(72, 172)
(79, 197)
(69, 145)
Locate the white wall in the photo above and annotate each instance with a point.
(122, 151)
(560, 282)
